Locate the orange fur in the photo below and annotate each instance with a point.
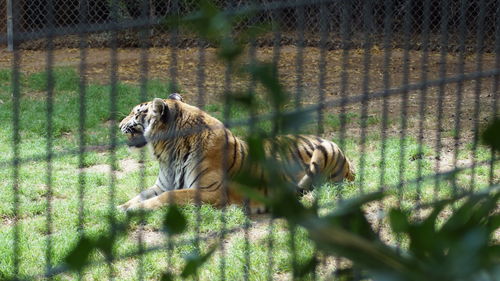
(198, 156)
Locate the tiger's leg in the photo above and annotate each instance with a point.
(254, 207)
(144, 195)
(190, 196)
(180, 197)
(206, 189)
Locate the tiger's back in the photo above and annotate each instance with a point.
(302, 158)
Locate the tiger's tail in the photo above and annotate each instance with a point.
(329, 162)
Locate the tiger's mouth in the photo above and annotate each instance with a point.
(136, 140)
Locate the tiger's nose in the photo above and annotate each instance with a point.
(127, 130)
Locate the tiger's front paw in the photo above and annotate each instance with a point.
(148, 205)
(122, 207)
(140, 206)
(135, 207)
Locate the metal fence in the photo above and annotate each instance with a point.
(33, 21)
(405, 87)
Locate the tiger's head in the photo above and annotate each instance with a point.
(138, 125)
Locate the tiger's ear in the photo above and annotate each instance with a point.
(158, 107)
(175, 96)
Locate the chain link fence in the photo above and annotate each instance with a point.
(405, 88)
(290, 16)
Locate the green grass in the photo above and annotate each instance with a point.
(63, 79)
(99, 187)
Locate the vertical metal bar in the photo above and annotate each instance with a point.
(82, 89)
(442, 74)
(323, 30)
(345, 34)
(299, 68)
(201, 104)
(276, 39)
(423, 99)
(225, 156)
(173, 87)
(275, 60)
(16, 165)
(368, 28)
(299, 71)
(251, 90)
(388, 9)
(173, 50)
(460, 84)
(82, 92)
(201, 74)
(404, 102)
(270, 247)
(496, 83)
(143, 35)
(293, 249)
(112, 130)
(477, 90)
(299, 62)
(10, 26)
(404, 110)
(50, 110)
(201, 101)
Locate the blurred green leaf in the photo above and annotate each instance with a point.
(246, 99)
(491, 136)
(194, 261)
(345, 274)
(78, 257)
(105, 244)
(229, 50)
(286, 204)
(355, 222)
(474, 212)
(419, 233)
(369, 254)
(308, 267)
(217, 27)
(291, 122)
(494, 222)
(244, 184)
(174, 221)
(266, 74)
(166, 276)
(398, 220)
(354, 204)
(254, 31)
(256, 151)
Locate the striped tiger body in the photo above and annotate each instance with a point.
(198, 156)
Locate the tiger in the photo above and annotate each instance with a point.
(198, 157)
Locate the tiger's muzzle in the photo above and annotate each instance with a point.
(134, 134)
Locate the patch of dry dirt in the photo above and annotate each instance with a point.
(125, 166)
(149, 237)
(6, 220)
